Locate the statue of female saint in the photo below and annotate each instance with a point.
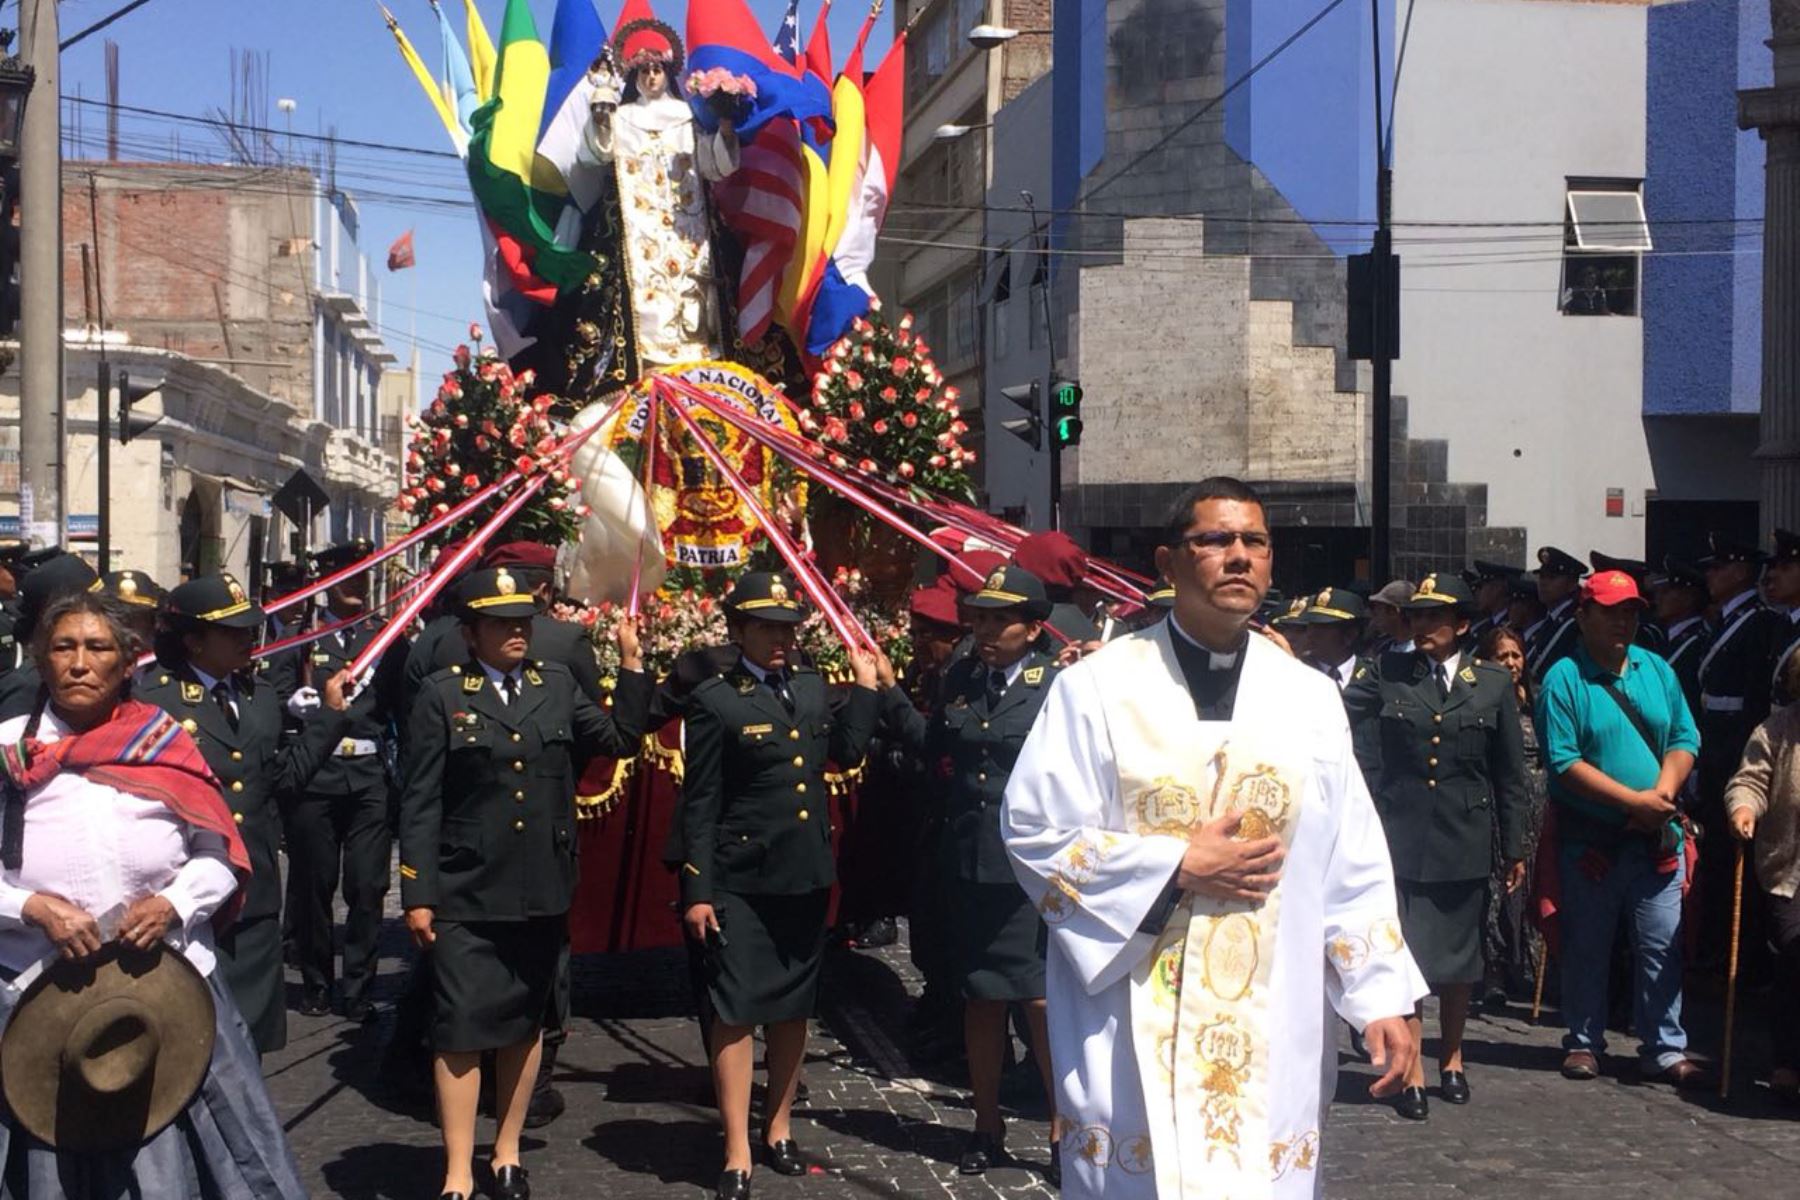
(661, 161)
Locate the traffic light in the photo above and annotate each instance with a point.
(1028, 429)
(130, 392)
(1065, 413)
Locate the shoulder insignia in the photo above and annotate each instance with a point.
(746, 686)
(1361, 672)
(533, 678)
(690, 868)
(1034, 676)
(192, 693)
(407, 872)
(471, 684)
(1468, 674)
(262, 664)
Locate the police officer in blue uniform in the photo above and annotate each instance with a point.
(1558, 582)
(1680, 597)
(757, 865)
(488, 856)
(204, 679)
(983, 712)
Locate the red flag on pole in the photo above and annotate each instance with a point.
(400, 254)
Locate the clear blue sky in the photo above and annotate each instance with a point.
(337, 62)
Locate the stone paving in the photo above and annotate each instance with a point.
(880, 1125)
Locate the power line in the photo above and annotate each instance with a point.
(102, 23)
(263, 129)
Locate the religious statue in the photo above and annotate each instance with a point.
(661, 162)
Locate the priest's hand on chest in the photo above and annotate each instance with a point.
(1217, 864)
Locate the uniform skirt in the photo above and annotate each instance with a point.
(250, 962)
(1442, 925)
(764, 966)
(997, 941)
(227, 1144)
(493, 980)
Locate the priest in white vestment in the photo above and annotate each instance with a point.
(1189, 819)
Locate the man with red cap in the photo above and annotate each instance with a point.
(1618, 744)
(1055, 558)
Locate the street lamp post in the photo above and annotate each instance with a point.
(16, 78)
(992, 37)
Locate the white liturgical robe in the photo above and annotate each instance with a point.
(1193, 1061)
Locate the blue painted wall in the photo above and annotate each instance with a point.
(1307, 119)
(1078, 101)
(1702, 284)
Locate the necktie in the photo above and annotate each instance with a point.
(509, 689)
(222, 697)
(996, 687)
(1442, 673)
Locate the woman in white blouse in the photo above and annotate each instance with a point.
(111, 828)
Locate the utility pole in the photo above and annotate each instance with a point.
(103, 391)
(40, 282)
(1385, 321)
(1044, 393)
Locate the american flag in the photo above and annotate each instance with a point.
(761, 202)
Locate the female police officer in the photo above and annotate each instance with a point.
(1438, 738)
(757, 870)
(987, 704)
(487, 853)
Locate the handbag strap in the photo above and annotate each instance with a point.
(1633, 715)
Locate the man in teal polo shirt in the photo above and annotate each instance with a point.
(1619, 742)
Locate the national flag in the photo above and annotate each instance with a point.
(518, 192)
(761, 203)
(884, 112)
(818, 67)
(577, 37)
(400, 254)
(442, 107)
(724, 33)
(787, 38)
(456, 81)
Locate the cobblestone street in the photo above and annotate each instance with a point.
(879, 1125)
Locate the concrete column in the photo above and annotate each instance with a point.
(40, 282)
(1774, 112)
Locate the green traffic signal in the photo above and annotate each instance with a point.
(1068, 396)
(1065, 414)
(1066, 431)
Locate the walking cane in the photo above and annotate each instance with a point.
(1537, 990)
(1731, 969)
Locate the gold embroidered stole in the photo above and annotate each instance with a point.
(1201, 1012)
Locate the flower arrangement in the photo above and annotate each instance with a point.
(880, 407)
(727, 94)
(888, 625)
(480, 427)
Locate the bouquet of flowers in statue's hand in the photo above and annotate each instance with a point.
(480, 428)
(880, 407)
(889, 626)
(726, 94)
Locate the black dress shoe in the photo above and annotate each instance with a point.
(510, 1184)
(316, 1002)
(360, 1010)
(1453, 1086)
(545, 1107)
(982, 1152)
(733, 1185)
(783, 1157)
(1053, 1172)
(877, 933)
(1412, 1104)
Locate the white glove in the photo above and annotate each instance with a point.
(303, 703)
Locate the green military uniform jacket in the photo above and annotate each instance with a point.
(972, 748)
(487, 818)
(1441, 768)
(755, 812)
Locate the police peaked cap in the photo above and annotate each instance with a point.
(215, 600)
(1336, 606)
(1438, 592)
(766, 596)
(494, 592)
(132, 587)
(1725, 550)
(1013, 587)
(1787, 547)
(1552, 561)
(334, 558)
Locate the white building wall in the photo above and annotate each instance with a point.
(1500, 102)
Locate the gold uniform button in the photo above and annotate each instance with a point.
(519, 796)
(803, 814)
(237, 756)
(518, 825)
(518, 737)
(237, 785)
(793, 735)
(238, 817)
(981, 778)
(1431, 762)
(1437, 718)
(801, 788)
(799, 761)
(1435, 739)
(1431, 783)
(984, 724)
(518, 764)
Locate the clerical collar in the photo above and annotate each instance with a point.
(1214, 660)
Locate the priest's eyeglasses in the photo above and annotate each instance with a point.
(1210, 542)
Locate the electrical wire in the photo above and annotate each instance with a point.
(102, 23)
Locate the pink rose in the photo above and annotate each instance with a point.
(462, 420)
(906, 470)
(525, 464)
(856, 411)
(471, 481)
(902, 365)
(880, 426)
(889, 394)
(910, 420)
(936, 460)
(474, 332)
(405, 503)
(854, 380)
(866, 466)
